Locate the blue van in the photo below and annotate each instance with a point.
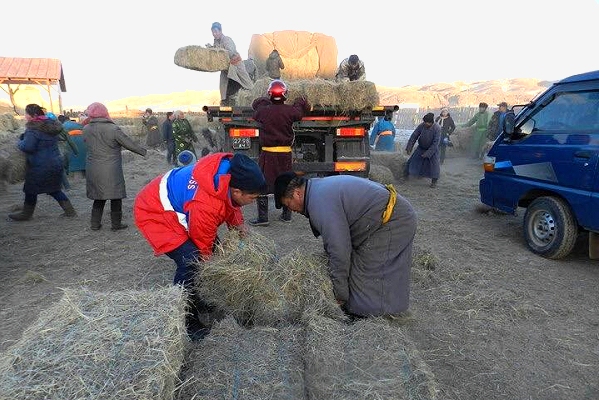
(547, 163)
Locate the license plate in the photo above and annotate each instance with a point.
(242, 143)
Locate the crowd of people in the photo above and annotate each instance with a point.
(367, 228)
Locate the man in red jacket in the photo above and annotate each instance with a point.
(179, 213)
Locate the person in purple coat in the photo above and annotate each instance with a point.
(276, 137)
(424, 161)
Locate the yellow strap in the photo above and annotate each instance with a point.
(390, 203)
(278, 149)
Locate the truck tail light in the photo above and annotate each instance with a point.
(341, 166)
(359, 131)
(489, 164)
(244, 132)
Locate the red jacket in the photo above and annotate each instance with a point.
(166, 229)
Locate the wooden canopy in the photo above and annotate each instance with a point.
(45, 72)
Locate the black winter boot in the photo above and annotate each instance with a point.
(116, 215)
(69, 211)
(25, 214)
(262, 219)
(97, 211)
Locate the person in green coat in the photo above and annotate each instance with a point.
(479, 137)
(183, 134)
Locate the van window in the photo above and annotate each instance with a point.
(570, 111)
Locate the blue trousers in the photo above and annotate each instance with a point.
(31, 198)
(185, 257)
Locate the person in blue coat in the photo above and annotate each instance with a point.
(44, 163)
(382, 137)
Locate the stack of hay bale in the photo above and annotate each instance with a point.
(284, 336)
(12, 160)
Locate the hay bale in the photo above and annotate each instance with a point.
(367, 359)
(115, 345)
(8, 123)
(245, 279)
(357, 95)
(345, 96)
(394, 160)
(14, 164)
(237, 363)
(200, 58)
(381, 174)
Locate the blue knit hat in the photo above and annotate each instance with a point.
(246, 174)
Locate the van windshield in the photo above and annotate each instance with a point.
(569, 111)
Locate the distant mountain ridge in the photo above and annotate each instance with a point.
(456, 94)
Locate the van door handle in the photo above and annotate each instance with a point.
(583, 154)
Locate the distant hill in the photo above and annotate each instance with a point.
(456, 94)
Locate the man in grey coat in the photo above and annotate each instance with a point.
(367, 231)
(425, 160)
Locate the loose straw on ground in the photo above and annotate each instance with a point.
(115, 345)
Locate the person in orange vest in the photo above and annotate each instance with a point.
(382, 137)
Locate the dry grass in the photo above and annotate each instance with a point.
(245, 279)
(203, 59)
(126, 344)
(369, 359)
(237, 363)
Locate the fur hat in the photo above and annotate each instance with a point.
(429, 117)
(246, 174)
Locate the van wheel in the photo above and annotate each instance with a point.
(550, 228)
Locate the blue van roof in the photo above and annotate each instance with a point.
(587, 76)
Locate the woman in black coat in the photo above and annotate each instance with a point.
(447, 127)
(44, 163)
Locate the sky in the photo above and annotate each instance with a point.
(116, 49)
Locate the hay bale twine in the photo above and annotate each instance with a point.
(203, 59)
(237, 363)
(345, 361)
(115, 345)
(381, 174)
(394, 160)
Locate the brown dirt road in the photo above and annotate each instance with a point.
(492, 320)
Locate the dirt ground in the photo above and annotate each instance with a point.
(492, 320)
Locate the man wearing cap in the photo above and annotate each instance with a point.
(425, 160)
(179, 213)
(498, 121)
(367, 231)
(351, 69)
(236, 76)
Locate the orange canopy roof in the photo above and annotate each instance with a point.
(31, 71)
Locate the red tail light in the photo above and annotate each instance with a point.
(244, 132)
(351, 131)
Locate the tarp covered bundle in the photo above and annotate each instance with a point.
(305, 54)
(116, 345)
(203, 59)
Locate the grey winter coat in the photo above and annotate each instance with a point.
(425, 160)
(43, 172)
(369, 262)
(104, 165)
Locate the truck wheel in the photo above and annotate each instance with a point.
(550, 228)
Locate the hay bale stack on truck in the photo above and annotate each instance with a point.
(333, 137)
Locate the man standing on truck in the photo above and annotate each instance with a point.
(351, 69)
(367, 231)
(236, 77)
(276, 137)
